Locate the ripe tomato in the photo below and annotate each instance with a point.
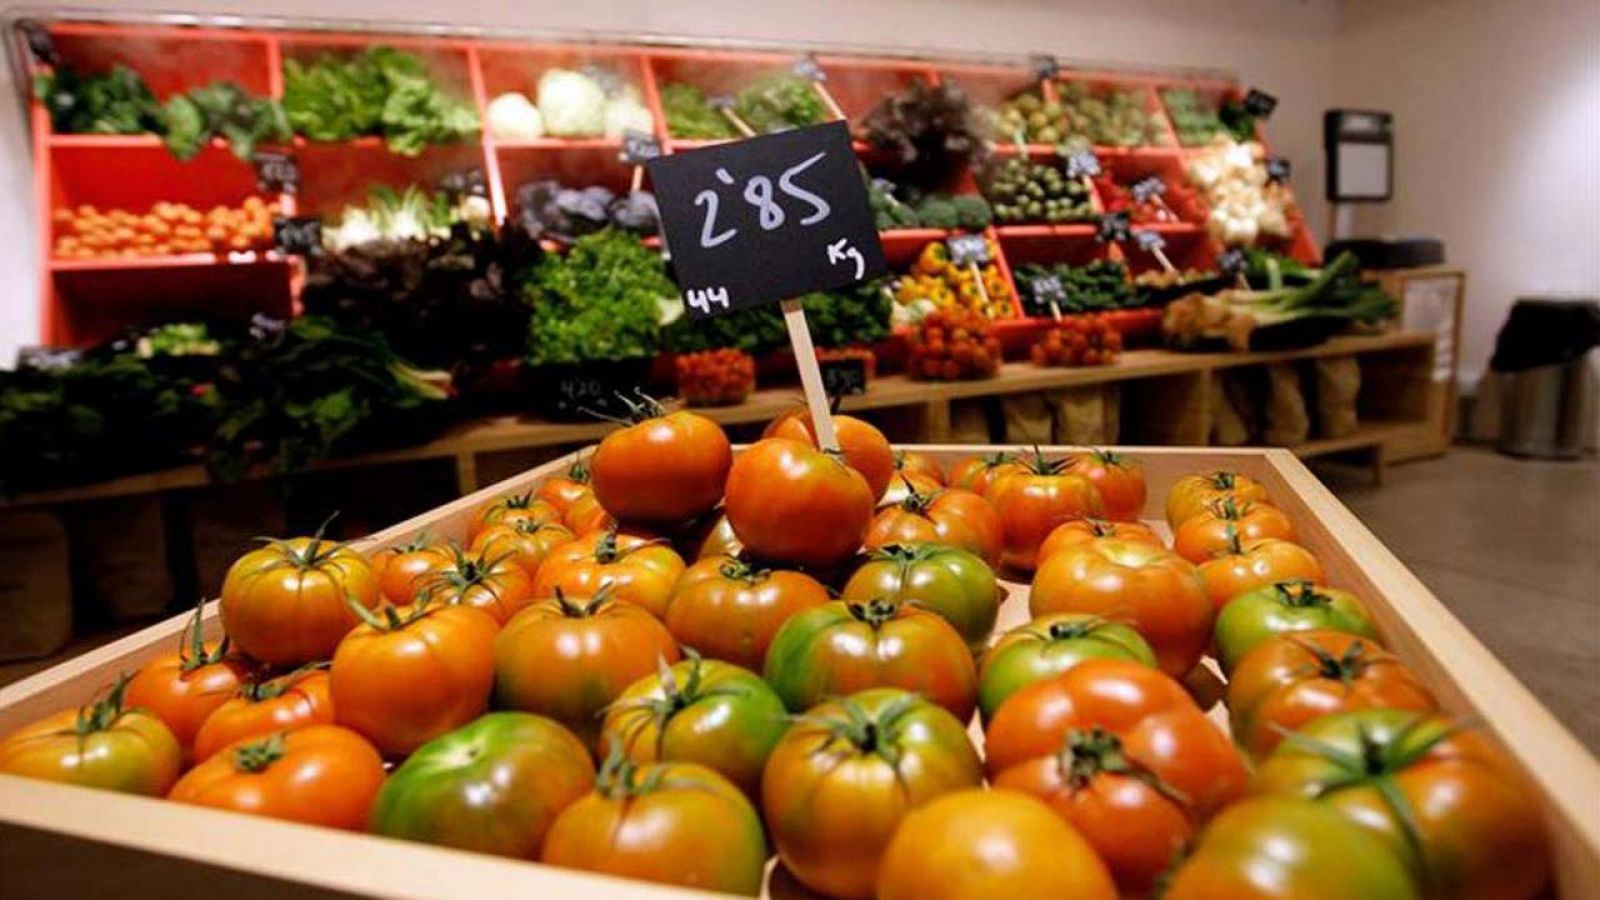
(902, 486)
(1048, 646)
(954, 518)
(568, 657)
(488, 579)
(1078, 531)
(100, 745)
(259, 708)
(401, 568)
(1288, 680)
(675, 823)
(846, 774)
(183, 688)
(319, 775)
(493, 786)
(1033, 503)
(790, 502)
(910, 462)
(701, 711)
(1284, 607)
(287, 603)
(709, 538)
(865, 448)
(562, 491)
(728, 609)
(979, 845)
(1272, 848)
(586, 515)
(1191, 494)
(666, 468)
(1207, 533)
(528, 544)
(1446, 800)
(954, 584)
(1120, 481)
(843, 647)
(1153, 590)
(978, 473)
(1142, 717)
(1246, 566)
(405, 677)
(637, 570)
(512, 509)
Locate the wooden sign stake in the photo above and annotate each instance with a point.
(805, 358)
(1161, 257)
(739, 124)
(638, 180)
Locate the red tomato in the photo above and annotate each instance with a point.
(1078, 531)
(321, 775)
(729, 609)
(1120, 481)
(527, 544)
(512, 509)
(1245, 566)
(493, 583)
(788, 501)
(978, 473)
(259, 708)
(636, 570)
(710, 537)
(586, 515)
(562, 491)
(911, 462)
(865, 448)
(1212, 532)
(401, 568)
(667, 468)
(1032, 504)
(100, 745)
(903, 483)
(183, 688)
(952, 518)
(289, 602)
(1191, 494)
(1152, 589)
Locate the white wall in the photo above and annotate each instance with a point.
(1497, 112)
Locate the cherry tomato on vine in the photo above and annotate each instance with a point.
(285, 603)
(729, 609)
(318, 775)
(663, 468)
(103, 744)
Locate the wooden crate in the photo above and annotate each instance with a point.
(58, 840)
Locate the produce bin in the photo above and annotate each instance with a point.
(60, 840)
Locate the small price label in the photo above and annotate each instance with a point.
(843, 377)
(1277, 169)
(48, 359)
(1082, 164)
(297, 235)
(1047, 289)
(1113, 226)
(1045, 66)
(808, 68)
(466, 183)
(967, 249)
(263, 326)
(40, 42)
(639, 147)
(1231, 261)
(1149, 241)
(720, 101)
(1259, 103)
(1148, 188)
(277, 173)
(604, 76)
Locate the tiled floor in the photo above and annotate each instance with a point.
(1511, 546)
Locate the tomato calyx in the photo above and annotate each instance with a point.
(575, 609)
(869, 735)
(422, 541)
(875, 612)
(317, 551)
(735, 569)
(1223, 480)
(675, 698)
(516, 501)
(578, 472)
(464, 571)
(1073, 630)
(1088, 753)
(1227, 508)
(1038, 465)
(530, 527)
(273, 688)
(917, 503)
(1107, 457)
(1301, 593)
(100, 713)
(257, 756)
(192, 652)
(618, 778)
(641, 408)
(1344, 668)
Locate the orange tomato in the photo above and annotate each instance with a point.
(667, 468)
(1079, 531)
(1209, 533)
(321, 775)
(400, 568)
(1191, 494)
(511, 509)
(636, 570)
(103, 744)
(288, 603)
(954, 518)
(978, 473)
(562, 491)
(184, 687)
(728, 609)
(1033, 503)
(902, 485)
(525, 543)
(1245, 566)
(865, 448)
(1118, 478)
(790, 502)
(586, 515)
(259, 708)
(488, 579)
(911, 462)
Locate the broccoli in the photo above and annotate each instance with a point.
(972, 212)
(937, 211)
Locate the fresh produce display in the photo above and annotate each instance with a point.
(379, 92)
(604, 300)
(1193, 495)
(264, 706)
(951, 518)
(1244, 566)
(548, 209)
(319, 775)
(410, 214)
(790, 502)
(526, 543)
(935, 284)
(925, 136)
(571, 104)
(952, 583)
(1284, 608)
(522, 509)
(290, 602)
(662, 467)
(1098, 285)
(777, 101)
(1080, 340)
(1193, 119)
(1245, 205)
(864, 447)
(103, 744)
(690, 114)
(166, 229)
(729, 609)
(1119, 479)
(1022, 191)
(1046, 647)
(1148, 199)
(894, 207)
(1082, 531)
(722, 377)
(1107, 116)
(910, 462)
(185, 687)
(1034, 499)
(954, 345)
(979, 473)
(222, 110)
(836, 319)
(624, 567)
(1209, 532)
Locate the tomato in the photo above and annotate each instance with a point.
(1153, 590)
(1207, 533)
(978, 473)
(979, 845)
(1120, 481)
(702, 711)
(954, 518)
(953, 583)
(865, 448)
(902, 486)
(287, 603)
(487, 579)
(103, 744)
(1276, 848)
(586, 515)
(1048, 646)
(567, 658)
(710, 537)
(729, 609)
(666, 468)
(1033, 503)
(1078, 531)
(1288, 680)
(1132, 713)
(405, 677)
(1448, 803)
(493, 786)
(790, 502)
(910, 462)
(675, 823)
(1191, 494)
(319, 775)
(527, 544)
(400, 569)
(183, 688)
(259, 708)
(637, 570)
(1246, 566)
(1283, 607)
(512, 509)
(842, 647)
(846, 774)
(562, 491)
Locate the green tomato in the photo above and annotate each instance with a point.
(493, 786)
(703, 711)
(1048, 646)
(953, 583)
(1284, 607)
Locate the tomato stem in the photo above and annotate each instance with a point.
(875, 612)
(1300, 593)
(256, 757)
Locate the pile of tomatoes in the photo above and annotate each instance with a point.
(86, 232)
(1083, 340)
(670, 660)
(954, 346)
(722, 377)
(1177, 201)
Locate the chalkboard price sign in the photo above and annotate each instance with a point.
(276, 173)
(297, 235)
(808, 68)
(1082, 164)
(766, 218)
(40, 42)
(1047, 289)
(1277, 169)
(638, 147)
(1149, 241)
(52, 359)
(967, 249)
(1113, 226)
(1045, 66)
(1260, 104)
(843, 377)
(1231, 261)
(1148, 188)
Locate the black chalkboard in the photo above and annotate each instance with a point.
(1277, 169)
(967, 249)
(40, 42)
(1045, 66)
(1081, 163)
(639, 148)
(276, 172)
(766, 218)
(297, 235)
(1148, 188)
(1259, 103)
(1113, 226)
(843, 377)
(1149, 241)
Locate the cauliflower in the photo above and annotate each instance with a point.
(513, 117)
(626, 113)
(572, 104)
